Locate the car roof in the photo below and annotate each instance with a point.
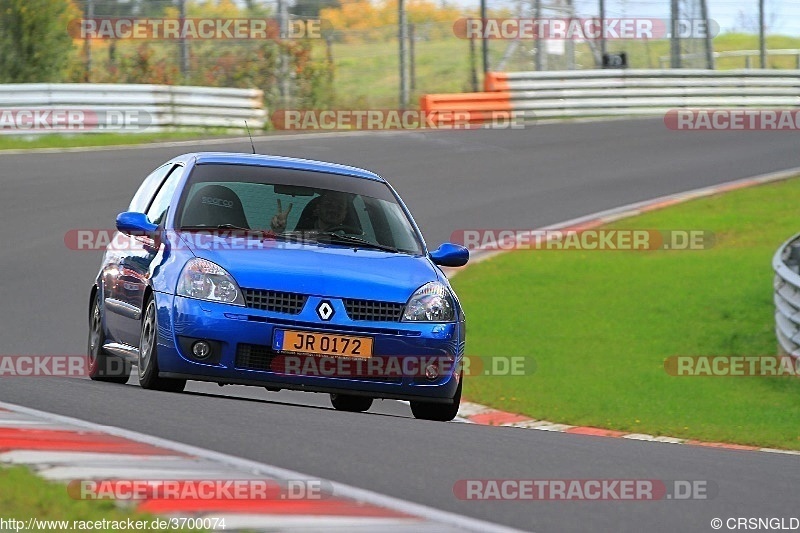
(232, 158)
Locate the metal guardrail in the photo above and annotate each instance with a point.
(129, 108)
(786, 264)
(663, 61)
(624, 92)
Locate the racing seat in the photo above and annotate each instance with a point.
(308, 219)
(215, 205)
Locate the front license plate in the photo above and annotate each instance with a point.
(321, 343)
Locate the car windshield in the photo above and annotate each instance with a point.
(297, 204)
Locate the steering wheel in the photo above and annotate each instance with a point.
(347, 229)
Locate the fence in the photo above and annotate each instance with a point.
(49, 108)
(587, 93)
(748, 56)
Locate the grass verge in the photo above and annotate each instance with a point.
(366, 74)
(599, 325)
(23, 496)
(21, 142)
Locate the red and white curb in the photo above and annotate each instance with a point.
(474, 413)
(63, 449)
(480, 414)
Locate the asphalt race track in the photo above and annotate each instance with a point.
(451, 180)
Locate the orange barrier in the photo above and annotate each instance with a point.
(495, 101)
(467, 107)
(495, 81)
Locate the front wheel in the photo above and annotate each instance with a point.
(440, 412)
(148, 354)
(103, 366)
(347, 402)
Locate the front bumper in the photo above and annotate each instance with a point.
(242, 339)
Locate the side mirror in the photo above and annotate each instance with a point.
(450, 255)
(135, 224)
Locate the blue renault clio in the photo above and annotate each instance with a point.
(281, 273)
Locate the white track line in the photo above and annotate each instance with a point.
(244, 141)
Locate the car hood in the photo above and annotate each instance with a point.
(325, 270)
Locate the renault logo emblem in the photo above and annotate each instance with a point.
(325, 310)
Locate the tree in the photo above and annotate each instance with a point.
(311, 8)
(34, 43)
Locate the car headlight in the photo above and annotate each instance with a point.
(430, 303)
(203, 280)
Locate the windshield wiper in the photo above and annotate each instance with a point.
(257, 233)
(300, 236)
(221, 226)
(348, 239)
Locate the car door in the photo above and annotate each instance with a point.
(128, 264)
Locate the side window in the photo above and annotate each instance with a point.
(148, 188)
(399, 227)
(158, 208)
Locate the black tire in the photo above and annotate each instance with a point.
(103, 366)
(148, 354)
(439, 412)
(347, 402)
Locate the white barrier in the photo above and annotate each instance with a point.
(125, 108)
(643, 92)
(621, 92)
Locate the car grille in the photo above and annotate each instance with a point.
(260, 357)
(373, 310)
(254, 357)
(275, 301)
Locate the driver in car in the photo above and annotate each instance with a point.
(329, 212)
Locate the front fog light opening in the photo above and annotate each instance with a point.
(431, 372)
(201, 350)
